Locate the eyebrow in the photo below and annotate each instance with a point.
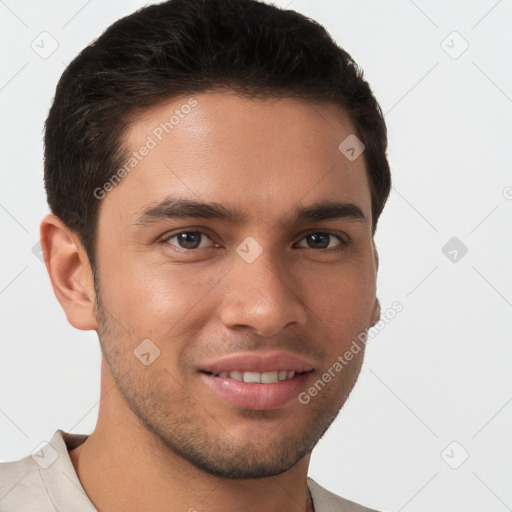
(177, 208)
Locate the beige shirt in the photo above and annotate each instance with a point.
(46, 481)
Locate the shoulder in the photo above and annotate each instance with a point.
(22, 487)
(326, 501)
(45, 480)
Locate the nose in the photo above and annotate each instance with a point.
(262, 296)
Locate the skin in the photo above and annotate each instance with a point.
(164, 440)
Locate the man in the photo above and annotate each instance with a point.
(215, 171)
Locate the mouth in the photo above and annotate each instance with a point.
(250, 390)
(257, 381)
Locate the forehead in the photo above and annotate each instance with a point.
(263, 156)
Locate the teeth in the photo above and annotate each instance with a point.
(252, 377)
(261, 378)
(269, 377)
(236, 375)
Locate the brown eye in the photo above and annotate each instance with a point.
(322, 240)
(188, 239)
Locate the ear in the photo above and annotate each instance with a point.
(70, 272)
(375, 256)
(375, 317)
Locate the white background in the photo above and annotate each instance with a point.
(440, 371)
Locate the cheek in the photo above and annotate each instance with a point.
(154, 299)
(343, 302)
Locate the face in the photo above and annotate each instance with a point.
(239, 246)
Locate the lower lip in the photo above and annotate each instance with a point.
(258, 397)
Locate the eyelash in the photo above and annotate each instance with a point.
(342, 244)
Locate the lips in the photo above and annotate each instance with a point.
(257, 381)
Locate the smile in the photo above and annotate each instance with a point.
(259, 377)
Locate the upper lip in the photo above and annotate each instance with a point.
(258, 362)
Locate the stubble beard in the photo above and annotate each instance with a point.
(186, 427)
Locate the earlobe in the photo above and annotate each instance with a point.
(69, 271)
